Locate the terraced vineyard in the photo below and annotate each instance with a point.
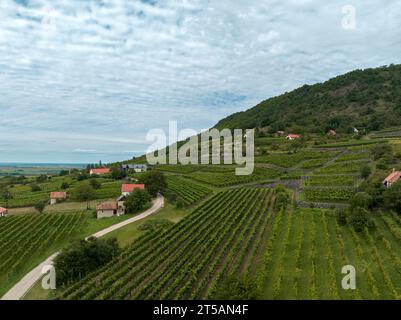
(354, 156)
(288, 160)
(189, 192)
(307, 250)
(187, 261)
(25, 238)
(342, 167)
(331, 194)
(332, 180)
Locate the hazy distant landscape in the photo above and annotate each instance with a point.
(28, 169)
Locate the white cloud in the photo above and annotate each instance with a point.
(114, 69)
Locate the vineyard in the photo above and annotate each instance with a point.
(331, 194)
(333, 180)
(287, 160)
(219, 179)
(188, 191)
(224, 235)
(307, 250)
(354, 156)
(26, 238)
(342, 167)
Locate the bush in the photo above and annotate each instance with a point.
(235, 288)
(65, 185)
(40, 206)
(358, 219)
(361, 199)
(365, 171)
(84, 257)
(35, 187)
(137, 200)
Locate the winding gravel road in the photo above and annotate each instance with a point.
(28, 281)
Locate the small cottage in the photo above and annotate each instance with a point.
(392, 178)
(3, 212)
(57, 196)
(332, 133)
(107, 209)
(99, 171)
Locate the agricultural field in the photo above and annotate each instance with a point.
(186, 190)
(313, 163)
(219, 179)
(332, 180)
(25, 239)
(351, 143)
(308, 249)
(224, 235)
(329, 194)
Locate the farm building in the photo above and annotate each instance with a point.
(3, 212)
(99, 171)
(293, 136)
(135, 167)
(57, 196)
(107, 209)
(392, 178)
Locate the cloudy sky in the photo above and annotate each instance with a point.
(84, 80)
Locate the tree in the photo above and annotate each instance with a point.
(392, 197)
(117, 173)
(84, 192)
(359, 219)
(137, 200)
(6, 195)
(83, 257)
(95, 184)
(366, 171)
(154, 182)
(40, 206)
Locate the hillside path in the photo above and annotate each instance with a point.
(28, 281)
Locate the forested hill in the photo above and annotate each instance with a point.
(366, 99)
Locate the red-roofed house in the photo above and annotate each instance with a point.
(3, 212)
(99, 171)
(293, 136)
(57, 196)
(127, 188)
(392, 178)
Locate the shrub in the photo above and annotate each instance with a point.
(95, 184)
(40, 206)
(65, 185)
(341, 216)
(35, 187)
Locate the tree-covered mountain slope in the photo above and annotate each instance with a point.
(367, 99)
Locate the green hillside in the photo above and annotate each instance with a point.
(367, 99)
